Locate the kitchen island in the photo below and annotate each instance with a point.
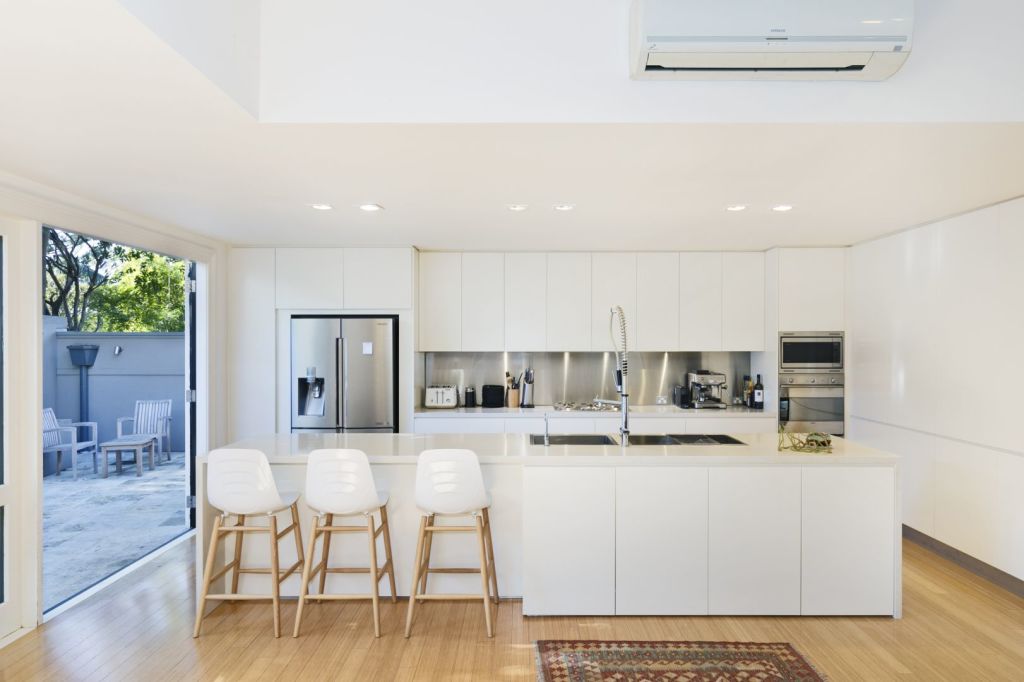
(644, 530)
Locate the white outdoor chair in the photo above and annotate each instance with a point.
(449, 483)
(152, 418)
(61, 435)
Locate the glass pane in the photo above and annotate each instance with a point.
(816, 352)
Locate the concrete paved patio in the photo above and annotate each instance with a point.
(94, 527)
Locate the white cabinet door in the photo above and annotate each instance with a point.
(524, 425)
(483, 301)
(754, 541)
(657, 302)
(526, 287)
(458, 425)
(378, 278)
(568, 296)
(700, 301)
(568, 541)
(849, 537)
(731, 425)
(309, 278)
(612, 283)
(812, 290)
(743, 301)
(440, 301)
(661, 536)
(250, 365)
(568, 425)
(657, 425)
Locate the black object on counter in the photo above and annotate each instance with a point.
(680, 396)
(493, 396)
(470, 397)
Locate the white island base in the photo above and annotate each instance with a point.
(646, 530)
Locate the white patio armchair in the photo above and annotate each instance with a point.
(152, 418)
(61, 435)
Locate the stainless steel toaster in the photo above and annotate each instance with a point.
(445, 396)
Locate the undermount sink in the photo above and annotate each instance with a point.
(572, 439)
(648, 439)
(705, 439)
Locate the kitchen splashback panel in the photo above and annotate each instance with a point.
(581, 376)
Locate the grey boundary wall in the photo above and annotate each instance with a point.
(150, 367)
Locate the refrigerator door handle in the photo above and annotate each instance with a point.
(343, 383)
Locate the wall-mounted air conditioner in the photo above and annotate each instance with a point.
(770, 39)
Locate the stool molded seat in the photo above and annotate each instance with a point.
(240, 483)
(339, 482)
(449, 483)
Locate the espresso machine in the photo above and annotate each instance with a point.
(706, 389)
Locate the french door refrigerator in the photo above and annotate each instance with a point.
(344, 373)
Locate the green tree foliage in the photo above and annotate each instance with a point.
(103, 287)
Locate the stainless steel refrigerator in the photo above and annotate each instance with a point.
(344, 373)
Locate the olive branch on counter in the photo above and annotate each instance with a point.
(805, 442)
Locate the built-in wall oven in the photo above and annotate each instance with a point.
(811, 382)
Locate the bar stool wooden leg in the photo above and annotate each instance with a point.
(374, 575)
(297, 531)
(207, 574)
(484, 578)
(237, 571)
(387, 552)
(490, 554)
(416, 575)
(275, 580)
(307, 570)
(327, 554)
(428, 545)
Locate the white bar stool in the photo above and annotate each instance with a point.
(340, 483)
(240, 483)
(449, 483)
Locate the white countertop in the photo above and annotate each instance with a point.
(515, 449)
(637, 411)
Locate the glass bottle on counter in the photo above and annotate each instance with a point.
(747, 388)
(758, 394)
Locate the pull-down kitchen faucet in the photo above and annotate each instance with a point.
(621, 368)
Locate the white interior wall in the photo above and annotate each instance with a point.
(935, 324)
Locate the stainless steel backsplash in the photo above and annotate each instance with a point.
(581, 376)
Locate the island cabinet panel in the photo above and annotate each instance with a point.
(456, 425)
(754, 541)
(569, 541)
(848, 541)
(661, 541)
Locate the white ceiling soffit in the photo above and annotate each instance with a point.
(567, 61)
(98, 105)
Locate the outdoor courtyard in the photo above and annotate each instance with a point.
(95, 526)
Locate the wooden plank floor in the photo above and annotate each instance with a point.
(956, 627)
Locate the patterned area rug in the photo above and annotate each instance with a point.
(597, 661)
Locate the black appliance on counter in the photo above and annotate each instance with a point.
(493, 396)
(470, 400)
(681, 396)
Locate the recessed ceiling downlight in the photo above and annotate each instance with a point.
(517, 207)
(371, 208)
(321, 207)
(782, 208)
(736, 208)
(564, 207)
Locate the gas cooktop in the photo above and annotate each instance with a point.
(585, 407)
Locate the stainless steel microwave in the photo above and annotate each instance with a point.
(810, 351)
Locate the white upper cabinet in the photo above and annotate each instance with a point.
(378, 278)
(613, 283)
(440, 301)
(568, 295)
(309, 278)
(812, 290)
(657, 302)
(526, 287)
(743, 301)
(483, 301)
(700, 302)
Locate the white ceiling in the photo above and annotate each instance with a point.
(97, 104)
